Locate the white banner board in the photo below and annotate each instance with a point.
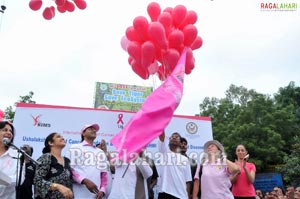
(33, 122)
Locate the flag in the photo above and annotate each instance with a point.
(153, 117)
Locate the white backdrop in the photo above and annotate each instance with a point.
(33, 122)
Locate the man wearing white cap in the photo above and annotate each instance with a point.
(88, 165)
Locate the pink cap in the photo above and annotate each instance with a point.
(95, 126)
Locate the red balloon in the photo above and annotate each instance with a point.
(49, 13)
(60, 2)
(190, 33)
(81, 4)
(153, 67)
(169, 10)
(190, 61)
(156, 32)
(62, 8)
(1, 115)
(140, 71)
(35, 4)
(130, 60)
(148, 54)
(170, 59)
(140, 25)
(158, 53)
(190, 18)
(176, 39)
(153, 10)
(162, 73)
(134, 50)
(124, 42)
(166, 20)
(70, 6)
(178, 14)
(197, 43)
(131, 34)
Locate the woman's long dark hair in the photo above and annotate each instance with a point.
(3, 124)
(48, 139)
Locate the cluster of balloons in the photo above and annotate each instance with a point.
(61, 5)
(155, 47)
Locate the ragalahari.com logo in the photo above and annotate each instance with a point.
(37, 123)
(282, 6)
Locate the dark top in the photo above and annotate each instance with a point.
(193, 164)
(152, 178)
(50, 171)
(26, 187)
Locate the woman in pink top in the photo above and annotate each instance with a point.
(242, 182)
(213, 173)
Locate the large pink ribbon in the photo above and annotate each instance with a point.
(153, 117)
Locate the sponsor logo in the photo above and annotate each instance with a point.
(191, 128)
(120, 122)
(38, 123)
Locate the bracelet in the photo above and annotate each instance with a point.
(53, 186)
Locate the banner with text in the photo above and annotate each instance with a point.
(34, 122)
(120, 96)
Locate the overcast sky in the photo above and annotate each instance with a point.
(60, 60)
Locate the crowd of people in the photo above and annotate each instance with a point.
(278, 193)
(90, 171)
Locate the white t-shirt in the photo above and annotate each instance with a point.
(175, 172)
(87, 162)
(125, 178)
(109, 181)
(10, 167)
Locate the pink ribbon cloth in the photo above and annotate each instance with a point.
(153, 117)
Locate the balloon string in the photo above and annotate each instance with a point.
(163, 64)
(154, 83)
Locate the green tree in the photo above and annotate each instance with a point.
(288, 105)
(250, 118)
(291, 168)
(10, 111)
